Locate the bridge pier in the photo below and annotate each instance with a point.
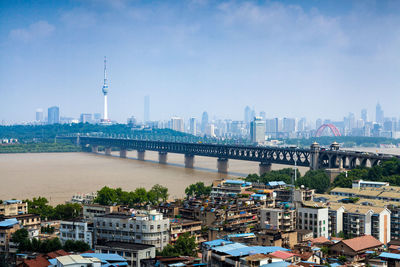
(95, 149)
(162, 157)
(222, 165)
(108, 151)
(264, 167)
(141, 154)
(122, 153)
(189, 161)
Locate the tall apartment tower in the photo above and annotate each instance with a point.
(192, 126)
(257, 130)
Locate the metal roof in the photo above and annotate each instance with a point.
(277, 264)
(243, 251)
(241, 235)
(390, 255)
(232, 246)
(217, 242)
(8, 222)
(104, 256)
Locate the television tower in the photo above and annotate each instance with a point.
(105, 92)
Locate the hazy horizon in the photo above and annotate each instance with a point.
(314, 59)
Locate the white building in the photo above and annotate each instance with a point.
(257, 130)
(361, 184)
(177, 124)
(77, 231)
(315, 219)
(145, 227)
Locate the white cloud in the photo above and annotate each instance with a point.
(36, 30)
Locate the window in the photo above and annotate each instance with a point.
(131, 226)
(124, 225)
(151, 227)
(143, 226)
(117, 225)
(110, 224)
(158, 227)
(137, 227)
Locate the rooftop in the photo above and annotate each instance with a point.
(362, 242)
(124, 245)
(8, 223)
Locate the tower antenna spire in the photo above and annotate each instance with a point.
(105, 69)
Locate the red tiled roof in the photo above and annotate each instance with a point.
(362, 242)
(57, 253)
(282, 254)
(320, 240)
(39, 261)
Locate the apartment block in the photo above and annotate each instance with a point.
(13, 207)
(76, 230)
(279, 219)
(314, 218)
(144, 227)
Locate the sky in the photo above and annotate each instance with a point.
(314, 59)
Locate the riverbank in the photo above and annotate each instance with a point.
(39, 148)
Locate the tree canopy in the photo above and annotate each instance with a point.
(110, 196)
(185, 245)
(315, 179)
(41, 207)
(198, 189)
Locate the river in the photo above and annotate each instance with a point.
(58, 176)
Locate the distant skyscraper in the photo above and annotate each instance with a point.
(204, 122)
(289, 125)
(247, 114)
(192, 126)
(146, 108)
(379, 116)
(105, 92)
(131, 121)
(301, 125)
(364, 115)
(257, 130)
(210, 130)
(97, 117)
(53, 115)
(39, 115)
(177, 124)
(86, 118)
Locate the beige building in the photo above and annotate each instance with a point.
(7, 228)
(92, 210)
(30, 222)
(13, 207)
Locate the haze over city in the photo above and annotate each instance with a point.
(314, 59)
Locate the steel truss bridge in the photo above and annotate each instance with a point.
(313, 157)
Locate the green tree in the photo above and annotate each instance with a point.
(198, 189)
(161, 192)
(76, 246)
(185, 245)
(106, 196)
(67, 211)
(315, 179)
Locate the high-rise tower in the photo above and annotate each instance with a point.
(105, 92)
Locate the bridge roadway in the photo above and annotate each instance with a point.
(314, 157)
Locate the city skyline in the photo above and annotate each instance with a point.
(327, 57)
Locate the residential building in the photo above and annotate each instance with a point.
(177, 124)
(133, 253)
(361, 184)
(92, 210)
(279, 219)
(144, 227)
(315, 219)
(86, 118)
(30, 222)
(13, 207)
(277, 238)
(7, 228)
(230, 188)
(180, 226)
(192, 126)
(354, 249)
(76, 230)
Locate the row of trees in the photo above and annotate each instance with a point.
(387, 171)
(39, 148)
(41, 207)
(110, 196)
(317, 179)
(21, 237)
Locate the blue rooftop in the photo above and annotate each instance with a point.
(390, 255)
(277, 264)
(240, 182)
(258, 195)
(104, 257)
(241, 235)
(232, 246)
(8, 222)
(12, 201)
(253, 250)
(217, 242)
(276, 183)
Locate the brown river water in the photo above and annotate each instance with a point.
(58, 176)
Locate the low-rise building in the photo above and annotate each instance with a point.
(30, 222)
(230, 188)
(181, 226)
(134, 253)
(76, 230)
(13, 207)
(92, 210)
(354, 249)
(7, 228)
(280, 219)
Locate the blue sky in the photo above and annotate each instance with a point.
(288, 58)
